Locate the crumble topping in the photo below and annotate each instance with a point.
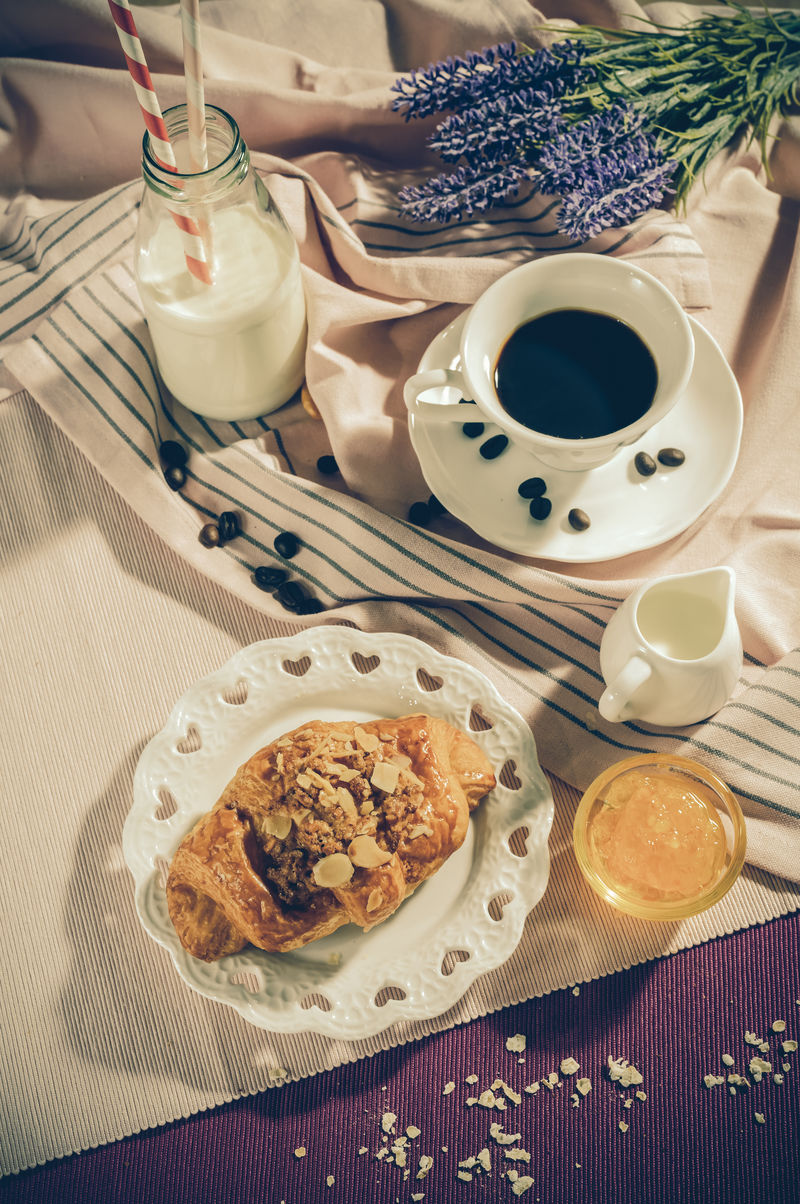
(333, 795)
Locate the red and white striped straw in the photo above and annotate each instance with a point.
(193, 248)
(193, 73)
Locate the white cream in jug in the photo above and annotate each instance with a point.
(234, 349)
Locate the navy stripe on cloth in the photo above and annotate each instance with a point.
(356, 554)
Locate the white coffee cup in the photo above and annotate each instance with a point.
(571, 280)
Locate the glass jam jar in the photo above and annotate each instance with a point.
(659, 836)
(233, 347)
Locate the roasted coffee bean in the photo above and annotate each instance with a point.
(229, 525)
(494, 447)
(327, 465)
(645, 465)
(435, 507)
(291, 595)
(419, 514)
(579, 519)
(473, 429)
(540, 508)
(672, 457)
(286, 545)
(532, 487)
(268, 578)
(175, 476)
(209, 535)
(310, 606)
(172, 454)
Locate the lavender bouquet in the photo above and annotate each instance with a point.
(613, 122)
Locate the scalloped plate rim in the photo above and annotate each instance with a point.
(505, 934)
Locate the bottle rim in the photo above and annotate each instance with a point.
(176, 121)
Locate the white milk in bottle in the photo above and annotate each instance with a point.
(233, 347)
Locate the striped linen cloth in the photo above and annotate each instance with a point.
(87, 360)
(76, 354)
(105, 625)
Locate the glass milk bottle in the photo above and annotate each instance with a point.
(229, 335)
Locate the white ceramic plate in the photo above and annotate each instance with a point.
(628, 512)
(339, 985)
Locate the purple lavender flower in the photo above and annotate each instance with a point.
(506, 128)
(607, 169)
(442, 85)
(513, 120)
(462, 193)
(562, 64)
(459, 83)
(613, 195)
(567, 156)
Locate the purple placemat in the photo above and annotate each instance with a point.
(673, 1019)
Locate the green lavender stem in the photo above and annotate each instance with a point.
(701, 85)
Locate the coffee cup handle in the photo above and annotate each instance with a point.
(437, 411)
(616, 703)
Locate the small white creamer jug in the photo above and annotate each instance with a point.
(672, 652)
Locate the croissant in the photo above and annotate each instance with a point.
(333, 823)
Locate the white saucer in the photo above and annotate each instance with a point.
(628, 512)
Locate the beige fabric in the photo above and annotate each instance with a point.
(111, 609)
(104, 627)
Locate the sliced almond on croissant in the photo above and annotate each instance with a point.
(333, 870)
(347, 802)
(368, 740)
(365, 852)
(385, 776)
(278, 824)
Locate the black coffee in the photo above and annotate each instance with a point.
(575, 374)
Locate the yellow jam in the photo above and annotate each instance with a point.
(655, 836)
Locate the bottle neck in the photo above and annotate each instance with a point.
(227, 157)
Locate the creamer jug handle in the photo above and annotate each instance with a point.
(616, 702)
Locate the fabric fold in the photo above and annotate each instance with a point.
(533, 630)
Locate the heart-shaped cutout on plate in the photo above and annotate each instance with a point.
(428, 681)
(297, 668)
